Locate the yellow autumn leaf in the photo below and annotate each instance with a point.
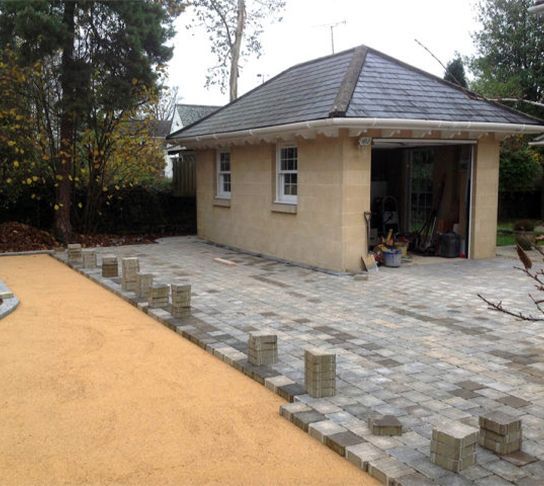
(29, 181)
(15, 163)
(35, 178)
(56, 207)
(8, 180)
(79, 205)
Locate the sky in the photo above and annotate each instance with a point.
(390, 26)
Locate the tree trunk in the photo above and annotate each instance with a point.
(63, 226)
(236, 48)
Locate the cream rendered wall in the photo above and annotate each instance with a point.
(327, 230)
(485, 196)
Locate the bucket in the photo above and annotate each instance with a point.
(392, 258)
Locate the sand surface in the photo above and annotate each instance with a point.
(95, 392)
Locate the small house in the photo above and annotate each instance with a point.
(290, 169)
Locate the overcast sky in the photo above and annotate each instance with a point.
(444, 26)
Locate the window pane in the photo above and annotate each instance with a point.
(224, 162)
(290, 184)
(288, 158)
(226, 182)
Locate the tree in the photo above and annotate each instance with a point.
(509, 61)
(100, 55)
(455, 72)
(234, 28)
(537, 277)
(164, 108)
(520, 166)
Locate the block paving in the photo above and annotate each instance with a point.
(415, 343)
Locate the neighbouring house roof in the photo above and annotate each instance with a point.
(154, 128)
(360, 83)
(190, 114)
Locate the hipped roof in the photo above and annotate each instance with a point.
(357, 83)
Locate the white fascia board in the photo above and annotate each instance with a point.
(365, 124)
(537, 9)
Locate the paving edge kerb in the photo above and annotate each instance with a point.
(10, 302)
(348, 439)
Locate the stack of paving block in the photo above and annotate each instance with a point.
(110, 266)
(74, 253)
(181, 298)
(143, 284)
(159, 295)
(453, 446)
(320, 373)
(387, 425)
(500, 433)
(89, 259)
(262, 348)
(130, 267)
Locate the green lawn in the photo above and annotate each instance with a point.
(505, 235)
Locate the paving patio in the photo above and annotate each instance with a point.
(413, 342)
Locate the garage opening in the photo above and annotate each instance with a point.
(421, 197)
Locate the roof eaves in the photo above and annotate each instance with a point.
(347, 87)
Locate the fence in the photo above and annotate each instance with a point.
(184, 175)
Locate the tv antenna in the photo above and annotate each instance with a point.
(332, 27)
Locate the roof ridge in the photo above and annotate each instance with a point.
(201, 106)
(347, 87)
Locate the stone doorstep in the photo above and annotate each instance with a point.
(303, 419)
(454, 465)
(388, 469)
(500, 423)
(339, 442)
(324, 428)
(452, 452)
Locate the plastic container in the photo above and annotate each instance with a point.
(450, 245)
(392, 258)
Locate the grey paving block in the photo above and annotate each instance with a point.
(304, 419)
(339, 442)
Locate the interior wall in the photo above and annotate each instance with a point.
(450, 166)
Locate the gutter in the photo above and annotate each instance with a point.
(366, 124)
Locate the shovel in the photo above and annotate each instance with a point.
(368, 261)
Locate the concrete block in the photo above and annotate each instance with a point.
(361, 454)
(262, 348)
(386, 425)
(110, 266)
(319, 372)
(456, 434)
(89, 258)
(455, 465)
(74, 253)
(287, 410)
(130, 267)
(339, 442)
(143, 284)
(500, 423)
(320, 430)
(159, 295)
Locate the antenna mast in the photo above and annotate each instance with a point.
(332, 27)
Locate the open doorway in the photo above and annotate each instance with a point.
(420, 196)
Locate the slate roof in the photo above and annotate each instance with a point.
(190, 114)
(358, 83)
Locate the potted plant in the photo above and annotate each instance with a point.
(524, 233)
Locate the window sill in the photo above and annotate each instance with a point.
(288, 208)
(221, 202)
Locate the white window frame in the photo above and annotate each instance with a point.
(220, 175)
(281, 197)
